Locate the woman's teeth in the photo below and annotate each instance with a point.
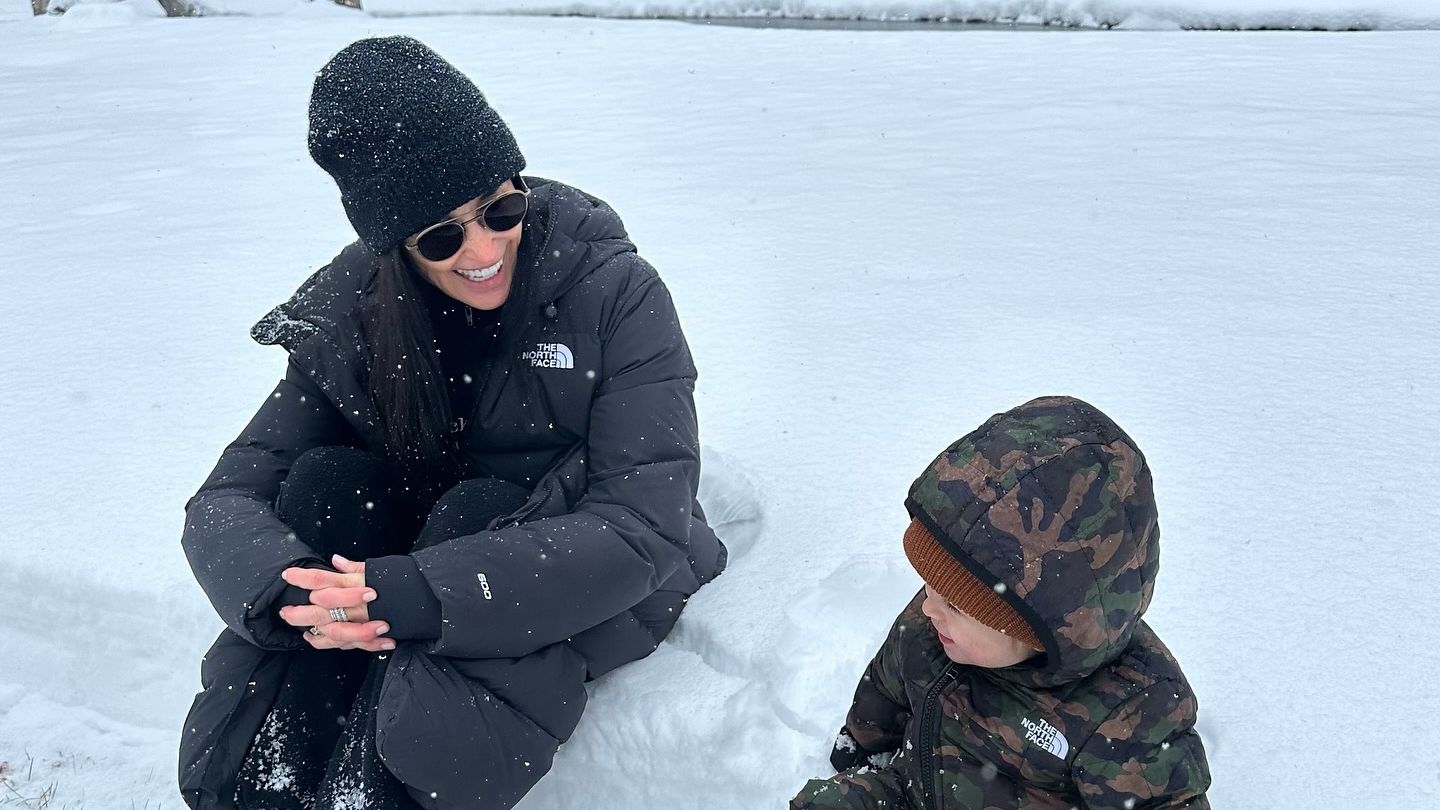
(483, 274)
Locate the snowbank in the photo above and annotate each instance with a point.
(1336, 15)
(1152, 14)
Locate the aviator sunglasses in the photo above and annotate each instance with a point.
(444, 239)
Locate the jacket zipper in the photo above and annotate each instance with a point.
(489, 367)
(527, 509)
(530, 507)
(481, 384)
(929, 731)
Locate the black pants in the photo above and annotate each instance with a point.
(316, 747)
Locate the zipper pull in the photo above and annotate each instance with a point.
(469, 316)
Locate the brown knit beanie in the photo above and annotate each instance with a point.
(961, 589)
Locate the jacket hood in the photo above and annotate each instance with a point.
(568, 233)
(1052, 505)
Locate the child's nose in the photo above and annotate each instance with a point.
(930, 607)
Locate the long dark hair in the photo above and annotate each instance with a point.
(406, 383)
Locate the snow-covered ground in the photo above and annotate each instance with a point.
(876, 240)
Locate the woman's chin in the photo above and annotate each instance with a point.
(485, 295)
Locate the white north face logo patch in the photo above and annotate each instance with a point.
(1046, 736)
(549, 355)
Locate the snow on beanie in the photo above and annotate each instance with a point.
(406, 136)
(962, 589)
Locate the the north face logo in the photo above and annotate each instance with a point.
(549, 355)
(1046, 736)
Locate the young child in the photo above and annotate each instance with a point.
(1022, 676)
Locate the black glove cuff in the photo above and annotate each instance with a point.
(847, 753)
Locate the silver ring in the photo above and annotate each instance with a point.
(315, 631)
(338, 615)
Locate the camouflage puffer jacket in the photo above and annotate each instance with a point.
(1051, 504)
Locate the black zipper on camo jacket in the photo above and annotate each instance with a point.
(929, 730)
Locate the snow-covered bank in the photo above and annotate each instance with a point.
(1332, 15)
(875, 241)
(1146, 14)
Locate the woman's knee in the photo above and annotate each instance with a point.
(470, 507)
(484, 727)
(337, 501)
(335, 470)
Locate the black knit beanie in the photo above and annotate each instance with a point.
(406, 136)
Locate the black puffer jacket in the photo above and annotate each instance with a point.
(594, 409)
(598, 410)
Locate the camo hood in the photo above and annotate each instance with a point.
(1052, 505)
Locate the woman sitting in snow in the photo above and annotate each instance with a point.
(473, 490)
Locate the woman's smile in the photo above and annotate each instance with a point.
(483, 274)
(482, 287)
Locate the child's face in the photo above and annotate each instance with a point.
(967, 641)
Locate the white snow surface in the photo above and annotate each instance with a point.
(1339, 15)
(876, 240)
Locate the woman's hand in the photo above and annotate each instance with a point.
(342, 588)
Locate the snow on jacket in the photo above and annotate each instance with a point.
(1052, 501)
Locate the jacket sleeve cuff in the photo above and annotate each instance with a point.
(403, 598)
